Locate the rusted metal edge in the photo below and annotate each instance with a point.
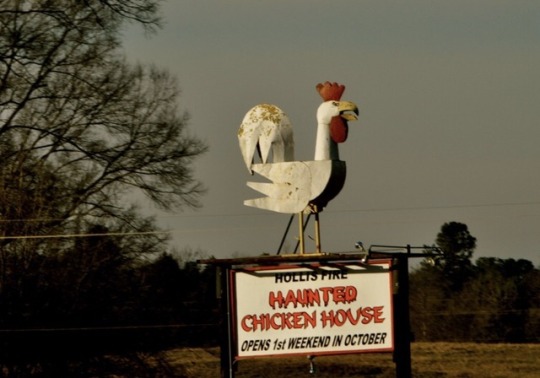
(282, 259)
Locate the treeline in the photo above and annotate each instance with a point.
(98, 286)
(94, 312)
(498, 300)
(70, 312)
(82, 306)
(491, 300)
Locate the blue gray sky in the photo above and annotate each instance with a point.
(449, 127)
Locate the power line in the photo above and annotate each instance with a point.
(415, 208)
(371, 210)
(110, 328)
(17, 237)
(83, 235)
(366, 210)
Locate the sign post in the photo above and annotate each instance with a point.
(402, 352)
(401, 255)
(227, 362)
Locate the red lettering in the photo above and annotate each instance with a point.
(340, 318)
(313, 298)
(285, 321)
(327, 317)
(244, 323)
(339, 294)
(310, 320)
(304, 297)
(291, 298)
(279, 321)
(275, 297)
(326, 294)
(367, 315)
(273, 323)
(355, 319)
(377, 313)
(350, 294)
(257, 321)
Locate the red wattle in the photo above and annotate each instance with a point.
(339, 129)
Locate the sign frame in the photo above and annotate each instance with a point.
(316, 309)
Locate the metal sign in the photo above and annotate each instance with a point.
(312, 309)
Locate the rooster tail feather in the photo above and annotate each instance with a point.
(266, 129)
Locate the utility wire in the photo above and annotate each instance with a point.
(374, 210)
(110, 328)
(82, 235)
(17, 237)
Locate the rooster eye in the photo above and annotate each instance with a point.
(334, 103)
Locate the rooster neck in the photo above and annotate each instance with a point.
(325, 147)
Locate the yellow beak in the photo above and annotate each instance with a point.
(348, 110)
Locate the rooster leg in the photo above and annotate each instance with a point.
(301, 232)
(315, 210)
(312, 209)
(317, 233)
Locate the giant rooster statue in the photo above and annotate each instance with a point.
(297, 187)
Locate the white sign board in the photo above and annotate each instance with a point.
(313, 310)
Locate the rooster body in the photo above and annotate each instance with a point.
(296, 186)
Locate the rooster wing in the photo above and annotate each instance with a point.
(297, 184)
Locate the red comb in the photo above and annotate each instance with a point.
(330, 91)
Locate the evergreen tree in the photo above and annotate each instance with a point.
(457, 246)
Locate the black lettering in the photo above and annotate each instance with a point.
(365, 338)
(255, 345)
(309, 342)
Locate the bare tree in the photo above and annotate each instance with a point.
(80, 128)
(80, 121)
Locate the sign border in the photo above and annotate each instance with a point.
(291, 265)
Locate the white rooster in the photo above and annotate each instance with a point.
(296, 186)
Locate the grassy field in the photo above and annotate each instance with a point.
(428, 360)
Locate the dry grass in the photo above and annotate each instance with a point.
(428, 360)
